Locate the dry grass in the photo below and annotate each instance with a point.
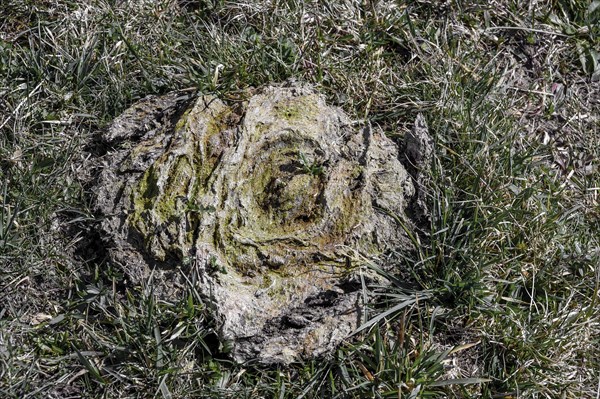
(507, 276)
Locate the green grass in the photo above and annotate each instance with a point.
(500, 300)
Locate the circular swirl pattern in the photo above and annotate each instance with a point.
(267, 203)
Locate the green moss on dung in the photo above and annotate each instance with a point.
(283, 184)
(297, 108)
(183, 121)
(158, 208)
(164, 200)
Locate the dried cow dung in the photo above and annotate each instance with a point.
(262, 207)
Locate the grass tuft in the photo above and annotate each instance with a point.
(500, 299)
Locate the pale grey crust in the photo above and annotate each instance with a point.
(266, 207)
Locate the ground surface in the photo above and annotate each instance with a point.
(499, 301)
